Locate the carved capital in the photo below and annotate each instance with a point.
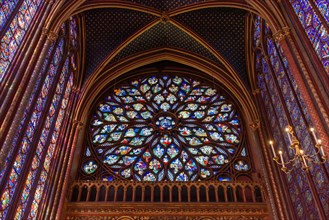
(75, 90)
(44, 31)
(255, 125)
(256, 92)
(281, 34)
(51, 35)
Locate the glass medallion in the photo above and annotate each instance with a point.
(165, 127)
(90, 167)
(165, 123)
(241, 165)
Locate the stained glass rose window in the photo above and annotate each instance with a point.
(165, 127)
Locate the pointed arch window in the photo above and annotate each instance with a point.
(26, 143)
(24, 178)
(284, 106)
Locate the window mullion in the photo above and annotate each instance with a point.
(46, 146)
(28, 161)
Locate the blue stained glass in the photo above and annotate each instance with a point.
(27, 139)
(51, 149)
(257, 30)
(74, 31)
(296, 115)
(41, 148)
(323, 6)
(314, 29)
(165, 127)
(276, 115)
(7, 8)
(10, 157)
(17, 29)
(279, 141)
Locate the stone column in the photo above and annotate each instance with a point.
(298, 71)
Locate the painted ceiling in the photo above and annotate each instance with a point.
(114, 33)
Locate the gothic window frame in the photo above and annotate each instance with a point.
(228, 175)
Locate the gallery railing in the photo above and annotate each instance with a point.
(174, 192)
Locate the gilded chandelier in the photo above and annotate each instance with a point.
(306, 160)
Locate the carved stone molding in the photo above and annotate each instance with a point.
(281, 34)
(76, 90)
(166, 211)
(256, 92)
(308, 80)
(51, 35)
(78, 123)
(255, 125)
(168, 218)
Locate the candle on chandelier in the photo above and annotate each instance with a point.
(281, 157)
(287, 130)
(272, 147)
(321, 148)
(313, 133)
(303, 157)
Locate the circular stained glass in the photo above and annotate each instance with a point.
(241, 165)
(165, 127)
(90, 167)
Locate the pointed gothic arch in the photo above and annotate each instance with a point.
(281, 48)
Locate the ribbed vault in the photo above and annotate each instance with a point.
(216, 34)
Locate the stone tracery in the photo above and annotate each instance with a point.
(166, 127)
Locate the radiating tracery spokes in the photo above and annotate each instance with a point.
(164, 127)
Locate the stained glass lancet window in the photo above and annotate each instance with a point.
(18, 27)
(281, 96)
(165, 127)
(40, 188)
(49, 101)
(64, 89)
(7, 7)
(315, 30)
(42, 145)
(26, 143)
(323, 6)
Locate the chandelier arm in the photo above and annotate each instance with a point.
(292, 160)
(286, 171)
(286, 163)
(320, 162)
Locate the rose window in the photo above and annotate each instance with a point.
(165, 127)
